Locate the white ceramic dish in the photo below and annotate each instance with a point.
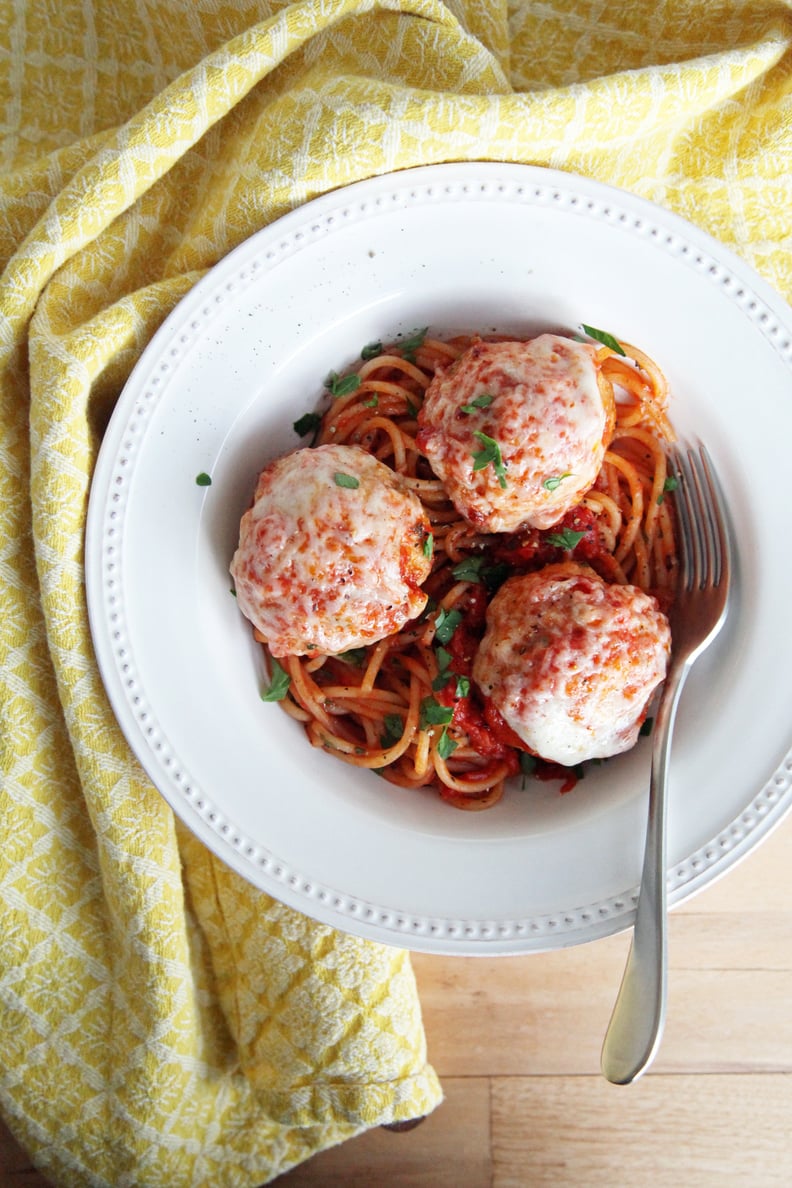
(473, 246)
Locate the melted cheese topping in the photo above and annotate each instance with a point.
(323, 567)
(571, 662)
(542, 403)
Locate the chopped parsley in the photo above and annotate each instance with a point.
(446, 624)
(435, 714)
(203, 479)
(370, 351)
(567, 539)
(671, 484)
(468, 570)
(528, 764)
(606, 339)
(443, 658)
(446, 745)
(482, 401)
(308, 423)
(341, 385)
(476, 569)
(428, 545)
(346, 480)
(354, 656)
(394, 729)
(412, 344)
(490, 453)
(372, 402)
(279, 683)
(555, 481)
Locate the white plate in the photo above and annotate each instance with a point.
(472, 246)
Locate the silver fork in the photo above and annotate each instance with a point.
(700, 608)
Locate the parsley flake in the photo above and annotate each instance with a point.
(308, 423)
(394, 729)
(468, 570)
(279, 683)
(489, 453)
(446, 745)
(482, 401)
(341, 385)
(528, 764)
(428, 545)
(476, 569)
(567, 539)
(412, 344)
(203, 479)
(606, 339)
(555, 481)
(354, 656)
(443, 658)
(370, 351)
(446, 624)
(346, 480)
(435, 714)
(671, 484)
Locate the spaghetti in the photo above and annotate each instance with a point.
(406, 707)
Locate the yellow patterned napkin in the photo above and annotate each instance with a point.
(161, 1022)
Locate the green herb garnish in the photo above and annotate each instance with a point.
(346, 480)
(412, 344)
(462, 686)
(606, 339)
(394, 729)
(446, 745)
(354, 656)
(435, 714)
(489, 453)
(370, 351)
(203, 479)
(446, 624)
(495, 575)
(468, 570)
(341, 385)
(428, 545)
(308, 423)
(528, 765)
(482, 401)
(567, 539)
(475, 569)
(373, 402)
(279, 683)
(443, 658)
(671, 484)
(555, 481)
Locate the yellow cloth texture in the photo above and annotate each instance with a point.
(161, 1021)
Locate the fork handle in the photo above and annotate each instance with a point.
(636, 1024)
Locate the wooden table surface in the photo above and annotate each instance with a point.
(516, 1042)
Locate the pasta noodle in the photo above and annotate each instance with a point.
(405, 707)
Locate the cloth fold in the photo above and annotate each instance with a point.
(161, 1021)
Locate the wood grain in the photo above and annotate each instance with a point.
(516, 1042)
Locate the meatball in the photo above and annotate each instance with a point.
(332, 553)
(517, 431)
(571, 662)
